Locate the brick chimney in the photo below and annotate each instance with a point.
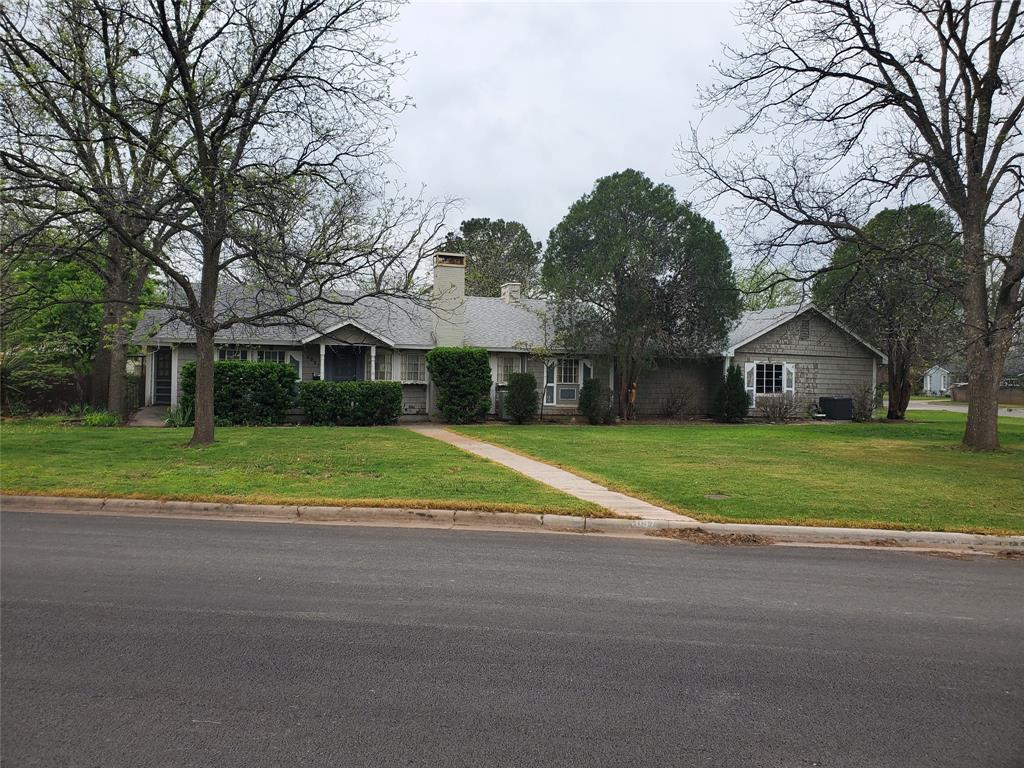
(449, 299)
(511, 293)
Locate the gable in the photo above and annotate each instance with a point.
(809, 333)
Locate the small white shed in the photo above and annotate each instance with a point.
(936, 381)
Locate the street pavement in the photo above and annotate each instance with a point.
(161, 642)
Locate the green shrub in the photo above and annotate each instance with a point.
(732, 402)
(462, 376)
(243, 392)
(520, 402)
(595, 402)
(100, 419)
(181, 416)
(351, 403)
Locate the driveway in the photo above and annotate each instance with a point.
(192, 643)
(923, 405)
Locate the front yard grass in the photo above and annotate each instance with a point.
(908, 476)
(378, 466)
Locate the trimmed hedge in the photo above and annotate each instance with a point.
(595, 402)
(462, 376)
(351, 403)
(520, 402)
(243, 392)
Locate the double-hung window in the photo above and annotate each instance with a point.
(292, 357)
(233, 353)
(271, 356)
(507, 365)
(385, 365)
(414, 367)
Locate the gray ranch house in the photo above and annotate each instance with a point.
(796, 349)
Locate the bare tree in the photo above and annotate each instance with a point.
(849, 104)
(73, 122)
(271, 168)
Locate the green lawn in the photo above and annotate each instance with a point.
(910, 476)
(381, 466)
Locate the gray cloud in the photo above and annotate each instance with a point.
(521, 107)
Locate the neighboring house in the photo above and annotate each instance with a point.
(937, 380)
(796, 349)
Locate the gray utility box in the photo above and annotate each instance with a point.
(836, 408)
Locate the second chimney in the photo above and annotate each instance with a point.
(511, 293)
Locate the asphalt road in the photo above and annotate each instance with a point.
(135, 642)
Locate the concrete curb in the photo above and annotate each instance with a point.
(448, 518)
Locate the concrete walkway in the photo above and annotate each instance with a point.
(567, 482)
(150, 416)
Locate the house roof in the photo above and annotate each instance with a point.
(397, 322)
(491, 323)
(756, 323)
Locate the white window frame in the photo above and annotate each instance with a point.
(421, 361)
(385, 358)
(221, 349)
(501, 375)
(750, 379)
(563, 365)
(261, 352)
(258, 355)
(583, 369)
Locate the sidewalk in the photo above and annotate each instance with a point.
(567, 482)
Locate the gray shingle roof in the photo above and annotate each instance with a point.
(490, 323)
(756, 322)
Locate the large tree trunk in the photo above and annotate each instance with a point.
(899, 387)
(117, 389)
(99, 370)
(987, 343)
(983, 376)
(202, 433)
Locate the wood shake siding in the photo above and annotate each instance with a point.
(828, 360)
(700, 379)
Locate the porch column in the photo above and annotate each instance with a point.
(323, 358)
(174, 376)
(150, 362)
(373, 362)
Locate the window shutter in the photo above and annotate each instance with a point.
(789, 378)
(588, 370)
(748, 380)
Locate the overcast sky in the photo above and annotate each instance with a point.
(520, 107)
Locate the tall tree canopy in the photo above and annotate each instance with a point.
(74, 117)
(847, 105)
(633, 268)
(499, 252)
(763, 287)
(895, 293)
(256, 133)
